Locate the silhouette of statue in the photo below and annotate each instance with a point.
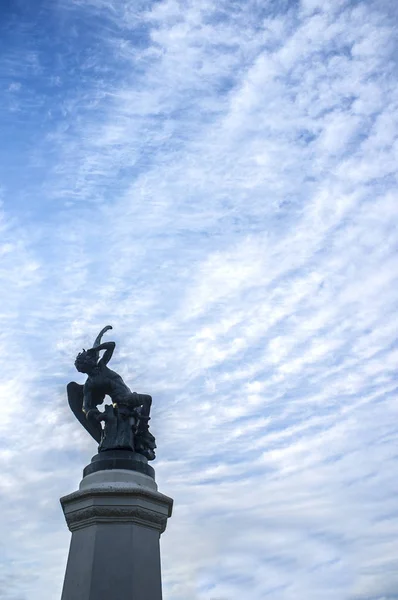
(126, 420)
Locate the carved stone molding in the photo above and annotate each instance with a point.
(114, 489)
(94, 514)
(116, 504)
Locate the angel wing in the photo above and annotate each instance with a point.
(75, 399)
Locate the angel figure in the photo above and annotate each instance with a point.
(126, 421)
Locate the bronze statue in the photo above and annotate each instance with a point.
(126, 419)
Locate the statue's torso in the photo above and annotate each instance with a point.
(103, 382)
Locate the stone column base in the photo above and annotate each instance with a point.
(116, 519)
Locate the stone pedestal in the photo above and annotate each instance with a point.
(116, 518)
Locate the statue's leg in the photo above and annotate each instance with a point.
(145, 440)
(146, 403)
(135, 400)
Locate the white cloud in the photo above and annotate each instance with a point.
(218, 182)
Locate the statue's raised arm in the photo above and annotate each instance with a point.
(99, 336)
(126, 421)
(109, 347)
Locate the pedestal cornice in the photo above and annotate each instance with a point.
(117, 504)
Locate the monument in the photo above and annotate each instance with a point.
(117, 515)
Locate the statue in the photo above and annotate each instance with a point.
(126, 420)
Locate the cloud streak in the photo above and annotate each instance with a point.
(218, 181)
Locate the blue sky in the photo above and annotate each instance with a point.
(217, 180)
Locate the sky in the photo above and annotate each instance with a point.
(217, 179)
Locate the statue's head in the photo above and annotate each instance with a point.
(86, 361)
